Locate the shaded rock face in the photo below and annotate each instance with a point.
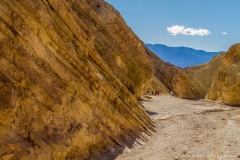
(70, 75)
(163, 74)
(217, 80)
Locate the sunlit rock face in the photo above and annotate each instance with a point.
(226, 81)
(194, 82)
(70, 75)
(218, 80)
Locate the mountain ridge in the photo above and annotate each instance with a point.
(183, 56)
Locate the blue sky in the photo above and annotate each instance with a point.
(211, 25)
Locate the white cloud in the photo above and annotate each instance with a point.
(224, 33)
(176, 29)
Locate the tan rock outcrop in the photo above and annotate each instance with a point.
(218, 80)
(194, 82)
(226, 82)
(70, 73)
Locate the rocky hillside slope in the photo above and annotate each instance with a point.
(217, 80)
(194, 82)
(70, 75)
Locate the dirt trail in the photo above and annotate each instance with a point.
(188, 130)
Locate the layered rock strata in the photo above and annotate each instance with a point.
(70, 75)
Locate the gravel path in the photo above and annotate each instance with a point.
(188, 130)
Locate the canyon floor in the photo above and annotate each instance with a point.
(188, 129)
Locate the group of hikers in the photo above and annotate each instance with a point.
(158, 93)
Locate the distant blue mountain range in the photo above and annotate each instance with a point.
(181, 56)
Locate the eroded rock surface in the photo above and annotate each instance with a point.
(226, 82)
(194, 82)
(218, 80)
(70, 75)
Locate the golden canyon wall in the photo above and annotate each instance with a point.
(226, 81)
(218, 80)
(70, 75)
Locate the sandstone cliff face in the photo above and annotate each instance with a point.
(226, 82)
(70, 72)
(217, 80)
(124, 49)
(163, 74)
